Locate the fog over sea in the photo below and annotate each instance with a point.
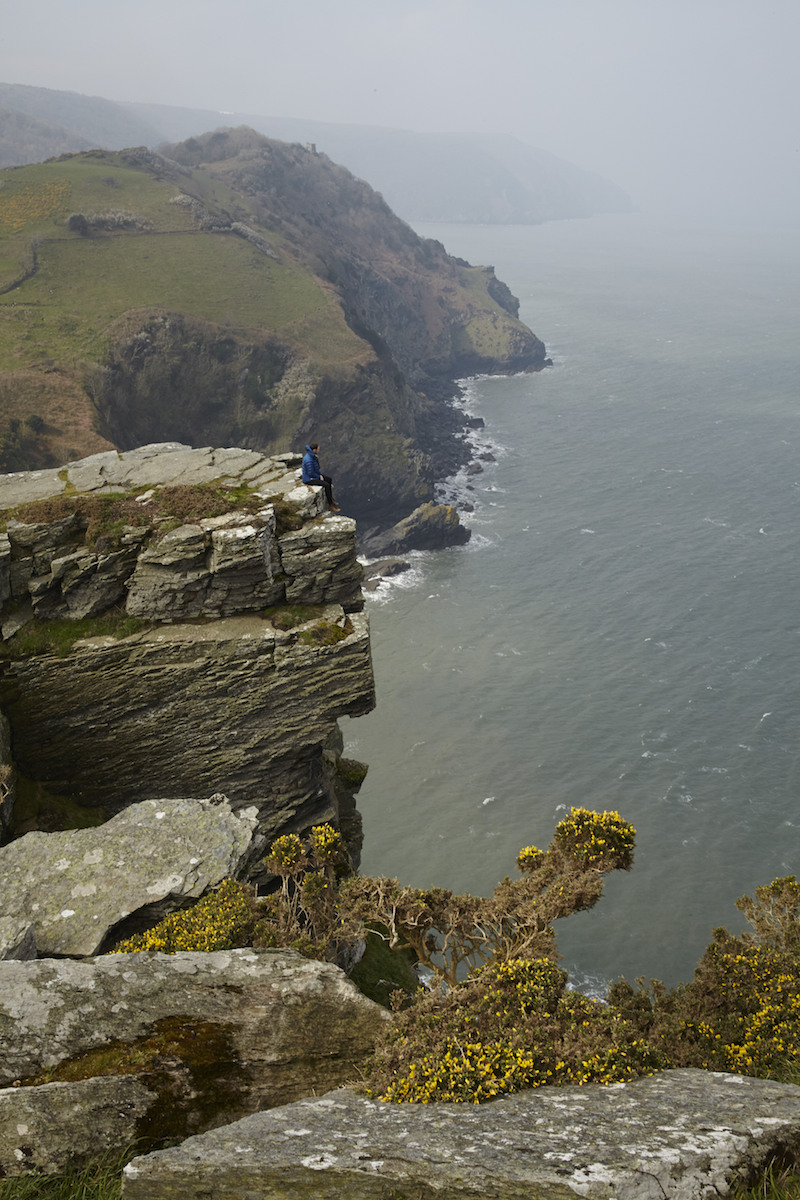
(622, 631)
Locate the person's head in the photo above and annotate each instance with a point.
(314, 446)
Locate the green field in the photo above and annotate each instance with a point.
(83, 285)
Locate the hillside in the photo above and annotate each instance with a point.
(38, 123)
(481, 178)
(423, 176)
(238, 292)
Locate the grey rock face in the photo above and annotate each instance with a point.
(219, 567)
(232, 706)
(17, 938)
(236, 1031)
(58, 1125)
(8, 775)
(76, 887)
(678, 1135)
(227, 703)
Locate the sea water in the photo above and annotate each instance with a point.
(622, 630)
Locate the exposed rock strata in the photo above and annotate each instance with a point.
(212, 697)
(232, 706)
(73, 889)
(216, 567)
(232, 1032)
(679, 1135)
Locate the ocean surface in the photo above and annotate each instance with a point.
(622, 631)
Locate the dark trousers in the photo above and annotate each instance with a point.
(325, 482)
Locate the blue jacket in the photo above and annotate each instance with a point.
(311, 469)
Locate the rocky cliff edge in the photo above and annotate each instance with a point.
(177, 622)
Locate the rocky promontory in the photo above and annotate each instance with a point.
(236, 290)
(181, 629)
(178, 622)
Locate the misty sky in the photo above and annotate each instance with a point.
(689, 105)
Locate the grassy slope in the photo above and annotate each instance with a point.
(72, 305)
(65, 298)
(84, 284)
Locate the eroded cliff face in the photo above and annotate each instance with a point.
(153, 654)
(241, 291)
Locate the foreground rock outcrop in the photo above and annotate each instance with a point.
(213, 1036)
(49, 1129)
(678, 1135)
(211, 692)
(71, 892)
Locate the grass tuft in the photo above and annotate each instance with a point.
(98, 1181)
(58, 637)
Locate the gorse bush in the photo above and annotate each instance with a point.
(222, 920)
(600, 840)
(450, 933)
(775, 913)
(499, 1016)
(511, 1025)
(304, 915)
(741, 1011)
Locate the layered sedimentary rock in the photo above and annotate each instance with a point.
(211, 692)
(71, 890)
(679, 1135)
(217, 1035)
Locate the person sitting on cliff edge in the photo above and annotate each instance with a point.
(313, 476)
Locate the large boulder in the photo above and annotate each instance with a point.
(429, 527)
(679, 1135)
(219, 1035)
(76, 888)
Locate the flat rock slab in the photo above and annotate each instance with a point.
(44, 1130)
(158, 463)
(246, 1029)
(678, 1135)
(75, 887)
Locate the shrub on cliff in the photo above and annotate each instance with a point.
(303, 915)
(509, 1026)
(741, 1011)
(449, 933)
(512, 1023)
(222, 920)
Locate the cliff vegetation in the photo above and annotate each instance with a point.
(238, 291)
(499, 1017)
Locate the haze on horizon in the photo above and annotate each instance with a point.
(691, 106)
